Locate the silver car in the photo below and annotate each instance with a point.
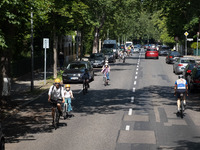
(181, 63)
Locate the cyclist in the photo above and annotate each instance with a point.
(56, 94)
(86, 77)
(68, 94)
(106, 70)
(181, 86)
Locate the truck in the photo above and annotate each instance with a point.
(112, 45)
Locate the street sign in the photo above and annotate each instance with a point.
(186, 33)
(189, 39)
(45, 42)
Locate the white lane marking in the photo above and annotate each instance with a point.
(135, 82)
(130, 112)
(137, 66)
(137, 69)
(132, 99)
(79, 91)
(133, 89)
(136, 73)
(157, 115)
(135, 77)
(127, 127)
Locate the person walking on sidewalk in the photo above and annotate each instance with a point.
(56, 96)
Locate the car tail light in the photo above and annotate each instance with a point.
(196, 81)
(180, 64)
(189, 71)
(170, 56)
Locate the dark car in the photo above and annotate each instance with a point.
(97, 59)
(2, 139)
(194, 79)
(109, 54)
(188, 70)
(75, 70)
(172, 57)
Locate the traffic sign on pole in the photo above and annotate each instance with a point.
(45, 46)
(189, 39)
(186, 33)
(45, 42)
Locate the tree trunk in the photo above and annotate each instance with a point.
(96, 40)
(55, 53)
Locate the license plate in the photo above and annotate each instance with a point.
(151, 53)
(181, 94)
(95, 64)
(74, 78)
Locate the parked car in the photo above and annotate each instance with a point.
(188, 70)
(172, 56)
(180, 64)
(109, 54)
(136, 49)
(75, 70)
(194, 79)
(151, 53)
(2, 139)
(97, 59)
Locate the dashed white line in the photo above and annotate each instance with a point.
(130, 112)
(135, 82)
(136, 73)
(135, 77)
(133, 89)
(137, 69)
(127, 127)
(132, 99)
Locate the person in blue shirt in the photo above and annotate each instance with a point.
(181, 86)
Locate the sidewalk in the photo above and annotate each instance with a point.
(21, 94)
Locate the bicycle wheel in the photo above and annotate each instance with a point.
(65, 111)
(84, 89)
(54, 120)
(57, 117)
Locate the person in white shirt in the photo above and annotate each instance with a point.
(56, 96)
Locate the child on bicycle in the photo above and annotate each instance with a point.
(68, 94)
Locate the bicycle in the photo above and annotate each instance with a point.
(67, 109)
(105, 81)
(85, 86)
(56, 117)
(182, 107)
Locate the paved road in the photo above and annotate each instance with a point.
(137, 111)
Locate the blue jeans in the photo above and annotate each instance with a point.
(108, 76)
(69, 106)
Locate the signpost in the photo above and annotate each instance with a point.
(45, 46)
(197, 42)
(186, 34)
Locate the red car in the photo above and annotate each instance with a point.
(151, 53)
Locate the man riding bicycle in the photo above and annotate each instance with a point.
(56, 96)
(181, 86)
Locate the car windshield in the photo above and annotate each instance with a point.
(96, 56)
(107, 51)
(187, 61)
(109, 46)
(175, 53)
(76, 66)
(151, 50)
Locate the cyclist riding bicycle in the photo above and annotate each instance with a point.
(56, 96)
(86, 77)
(181, 86)
(68, 94)
(106, 70)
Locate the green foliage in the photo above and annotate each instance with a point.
(194, 45)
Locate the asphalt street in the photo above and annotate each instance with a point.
(136, 111)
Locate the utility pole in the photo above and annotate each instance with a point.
(197, 43)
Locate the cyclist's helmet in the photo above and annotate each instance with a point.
(106, 64)
(106, 61)
(180, 76)
(57, 81)
(67, 86)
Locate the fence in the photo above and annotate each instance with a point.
(23, 66)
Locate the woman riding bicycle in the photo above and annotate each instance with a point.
(181, 87)
(56, 96)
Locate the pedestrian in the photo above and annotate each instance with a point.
(61, 59)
